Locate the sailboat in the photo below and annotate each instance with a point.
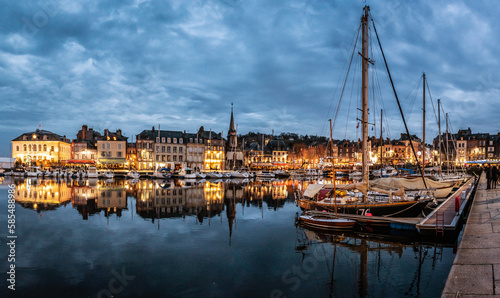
(327, 220)
(360, 198)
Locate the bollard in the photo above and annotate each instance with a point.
(457, 204)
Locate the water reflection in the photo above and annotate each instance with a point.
(168, 234)
(154, 199)
(375, 260)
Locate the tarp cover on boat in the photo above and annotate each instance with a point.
(409, 183)
(312, 190)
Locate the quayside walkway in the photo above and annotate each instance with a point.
(476, 269)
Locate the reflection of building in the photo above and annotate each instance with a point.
(111, 197)
(157, 200)
(112, 149)
(41, 147)
(42, 195)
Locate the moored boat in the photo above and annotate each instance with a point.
(326, 220)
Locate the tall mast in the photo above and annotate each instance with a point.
(333, 168)
(364, 91)
(439, 128)
(381, 142)
(423, 137)
(447, 140)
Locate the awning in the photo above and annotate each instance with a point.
(81, 161)
(280, 164)
(262, 164)
(112, 160)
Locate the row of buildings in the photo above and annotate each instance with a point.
(208, 150)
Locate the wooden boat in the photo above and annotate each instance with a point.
(326, 220)
(362, 198)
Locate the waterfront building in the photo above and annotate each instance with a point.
(195, 152)
(84, 147)
(145, 149)
(42, 148)
(170, 149)
(161, 149)
(214, 150)
(234, 155)
(112, 150)
(132, 155)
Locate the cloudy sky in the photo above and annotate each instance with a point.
(180, 64)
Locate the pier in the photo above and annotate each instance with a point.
(476, 268)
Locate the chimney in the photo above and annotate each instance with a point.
(84, 132)
(106, 132)
(153, 129)
(119, 132)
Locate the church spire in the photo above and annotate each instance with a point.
(231, 124)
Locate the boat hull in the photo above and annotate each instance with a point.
(397, 209)
(327, 223)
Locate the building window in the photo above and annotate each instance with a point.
(175, 140)
(24, 147)
(39, 147)
(119, 146)
(157, 158)
(157, 139)
(174, 149)
(168, 149)
(190, 149)
(119, 154)
(108, 145)
(103, 154)
(180, 149)
(180, 157)
(168, 140)
(162, 148)
(25, 138)
(174, 158)
(163, 140)
(157, 148)
(190, 140)
(181, 140)
(168, 157)
(150, 146)
(163, 158)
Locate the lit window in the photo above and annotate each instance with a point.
(175, 140)
(168, 140)
(163, 140)
(157, 139)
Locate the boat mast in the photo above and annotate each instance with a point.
(447, 146)
(439, 128)
(381, 142)
(364, 91)
(423, 137)
(333, 168)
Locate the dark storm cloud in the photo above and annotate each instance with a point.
(134, 64)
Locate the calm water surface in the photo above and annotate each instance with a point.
(199, 239)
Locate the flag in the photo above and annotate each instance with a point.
(357, 126)
(40, 126)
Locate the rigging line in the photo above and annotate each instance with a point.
(382, 101)
(350, 101)
(399, 105)
(355, 42)
(410, 101)
(345, 81)
(432, 101)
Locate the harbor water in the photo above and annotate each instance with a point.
(236, 238)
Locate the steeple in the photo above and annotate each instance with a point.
(232, 136)
(231, 124)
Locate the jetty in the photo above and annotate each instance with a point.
(476, 268)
